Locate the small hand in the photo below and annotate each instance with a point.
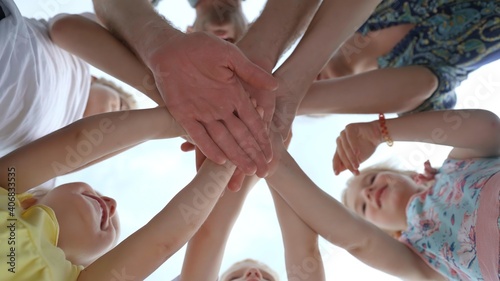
(428, 175)
(199, 76)
(356, 143)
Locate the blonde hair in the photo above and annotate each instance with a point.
(261, 265)
(381, 167)
(126, 97)
(38, 192)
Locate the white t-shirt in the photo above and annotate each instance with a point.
(42, 87)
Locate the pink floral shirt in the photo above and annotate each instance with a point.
(454, 226)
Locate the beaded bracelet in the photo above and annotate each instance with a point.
(383, 130)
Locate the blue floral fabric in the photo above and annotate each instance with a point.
(451, 38)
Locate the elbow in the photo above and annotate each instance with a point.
(356, 248)
(424, 85)
(60, 26)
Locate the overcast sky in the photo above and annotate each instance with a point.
(145, 178)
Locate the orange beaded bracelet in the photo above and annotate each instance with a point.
(383, 130)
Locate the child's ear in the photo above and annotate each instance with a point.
(190, 29)
(28, 202)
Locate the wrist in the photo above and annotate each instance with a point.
(153, 35)
(298, 82)
(255, 55)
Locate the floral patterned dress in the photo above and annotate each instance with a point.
(454, 226)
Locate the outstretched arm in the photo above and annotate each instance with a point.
(332, 24)
(145, 250)
(279, 25)
(200, 79)
(84, 141)
(472, 132)
(97, 46)
(205, 250)
(389, 90)
(330, 219)
(300, 243)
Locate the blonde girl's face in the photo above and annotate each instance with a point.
(381, 198)
(247, 271)
(88, 222)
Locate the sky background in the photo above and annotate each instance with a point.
(145, 178)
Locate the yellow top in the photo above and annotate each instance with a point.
(28, 240)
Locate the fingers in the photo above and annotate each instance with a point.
(250, 72)
(258, 131)
(338, 166)
(267, 105)
(204, 141)
(187, 146)
(246, 141)
(227, 141)
(346, 153)
(236, 180)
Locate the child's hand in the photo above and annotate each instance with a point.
(428, 175)
(356, 143)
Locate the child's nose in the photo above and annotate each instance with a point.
(253, 272)
(111, 203)
(367, 193)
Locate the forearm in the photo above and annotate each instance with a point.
(136, 23)
(94, 44)
(300, 242)
(301, 194)
(330, 219)
(332, 24)
(85, 141)
(279, 25)
(389, 90)
(205, 250)
(477, 130)
(168, 231)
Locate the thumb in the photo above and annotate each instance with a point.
(251, 73)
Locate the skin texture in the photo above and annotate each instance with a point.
(161, 237)
(279, 25)
(360, 238)
(200, 79)
(381, 198)
(248, 270)
(102, 99)
(297, 73)
(224, 19)
(88, 222)
(205, 250)
(353, 74)
(472, 133)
